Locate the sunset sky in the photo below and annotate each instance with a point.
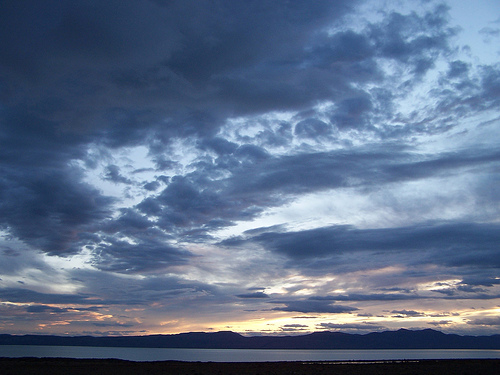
(265, 167)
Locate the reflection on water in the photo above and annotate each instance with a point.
(239, 355)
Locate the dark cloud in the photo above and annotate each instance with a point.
(26, 296)
(407, 313)
(459, 238)
(130, 221)
(458, 69)
(312, 128)
(451, 293)
(412, 39)
(365, 326)
(367, 297)
(490, 31)
(87, 72)
(220, 146)
(114, 324)
(491, 85)
(194, 201)
(8, 251)
(258, 181)
(55, 309)
(344, 46)
(184, 203)
(476, 285)
(470, 289)
(48, 208)
(310, 306)
(159, 288)
(138, 61)
(116, 99)
(441, 323)
(45, 308)
(253, 295)
(486, 321)
(481, 281)
(447, 291)
(151, 186)
(147, 253)
(112, 173)
(358, 168)
(353, 112)
(462, 93)
(294, 328)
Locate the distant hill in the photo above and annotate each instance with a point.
(400, 339)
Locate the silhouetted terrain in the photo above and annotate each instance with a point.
(401, 339)
(64, 366)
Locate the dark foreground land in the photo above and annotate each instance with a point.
(55, 366)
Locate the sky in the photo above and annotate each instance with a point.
(264, 167)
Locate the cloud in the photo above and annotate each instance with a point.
(294, 328)
(142, 59)
(330, 241)
(470, 289)
(490, 33)
(348, 326)
(312, 128)
(28, 296)
(458, 69)
(253, 295)
(110, 81)
(114, 324)
(49, 207)
(360, 167)
(309, 306)
(480, 281)
(353, 112)
(449, 292)
(393, 40)
(147, 254)
(55, 309)
(166, 156)
(441, 323)
(486, 321)
(367, 297)
(407, 313)
(45, 308)
(113, 174)
(103, 115)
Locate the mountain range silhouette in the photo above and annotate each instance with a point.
(400, 339)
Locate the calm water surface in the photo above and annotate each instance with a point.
(237, 355)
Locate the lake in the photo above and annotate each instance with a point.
(239, 355)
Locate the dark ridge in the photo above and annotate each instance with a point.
(64, 366)
(400, 339)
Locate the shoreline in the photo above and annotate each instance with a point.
(55, 366)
